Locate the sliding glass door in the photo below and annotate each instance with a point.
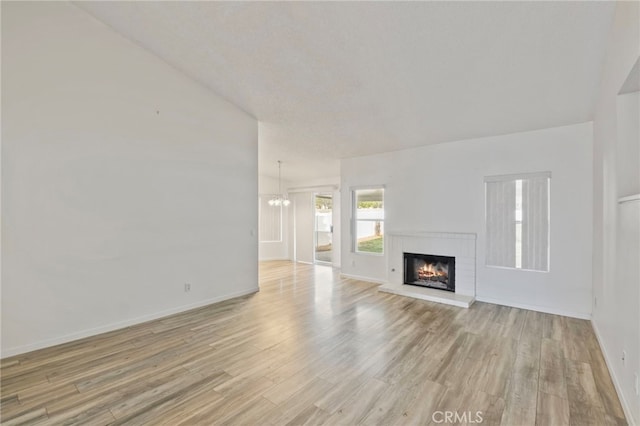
(323, 232)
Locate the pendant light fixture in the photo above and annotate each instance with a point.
(280, 199)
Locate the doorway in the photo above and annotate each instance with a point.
(323, 232)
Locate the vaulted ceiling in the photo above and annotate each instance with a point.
(329, 80)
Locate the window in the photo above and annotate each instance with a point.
(270, 226)
(368, 220)
(517, 221)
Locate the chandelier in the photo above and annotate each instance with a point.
(280, 199)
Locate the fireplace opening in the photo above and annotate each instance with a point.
(431, 271)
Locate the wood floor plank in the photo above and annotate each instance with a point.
(300, 402)
(354, 409)
(487, 406)
(521, 399)
(552, 377)
(603, 381)
(253, 415)
(314, 348)
(8, 363)
(502, 358)
(586, 415)
(89, 417)
(467, 406)
(585, 403)
(552, 327)
(8, 404)
(421, 407)
(389, 407)
(237, 404)
(173, 408)
(336, 394)
(310, 417)
(575, 339)
(552, 410)
(29, 417)
(284, 390)
(581, 387)
(406, 358)
(40, 397)
(136, 402)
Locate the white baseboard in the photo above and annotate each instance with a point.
(118, 325)
(361, 278)
(269, 259)
(544, 309)
(607, 360)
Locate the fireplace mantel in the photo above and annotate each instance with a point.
(460, 245)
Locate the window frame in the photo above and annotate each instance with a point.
(355, 220)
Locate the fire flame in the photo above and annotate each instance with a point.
(430, 271)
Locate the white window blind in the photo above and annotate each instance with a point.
(270, 226)
(518, 221)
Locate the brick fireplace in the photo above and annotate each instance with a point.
(436, 261)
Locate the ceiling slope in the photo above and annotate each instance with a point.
(330, 80)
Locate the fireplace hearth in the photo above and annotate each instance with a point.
(426, 270)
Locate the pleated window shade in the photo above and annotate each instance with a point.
(518, 221)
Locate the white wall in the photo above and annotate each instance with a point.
(122, 180)
(616, 303)
(440, 188)
(628, 144)
(620, 331)
(303, 225)
(275, 250)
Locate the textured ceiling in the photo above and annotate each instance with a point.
(334, 80)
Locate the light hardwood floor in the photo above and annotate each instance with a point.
(312, 348)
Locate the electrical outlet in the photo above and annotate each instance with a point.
(624, 356)
(637, 385)
(187, 287)
(595, 302)
(353, 263)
